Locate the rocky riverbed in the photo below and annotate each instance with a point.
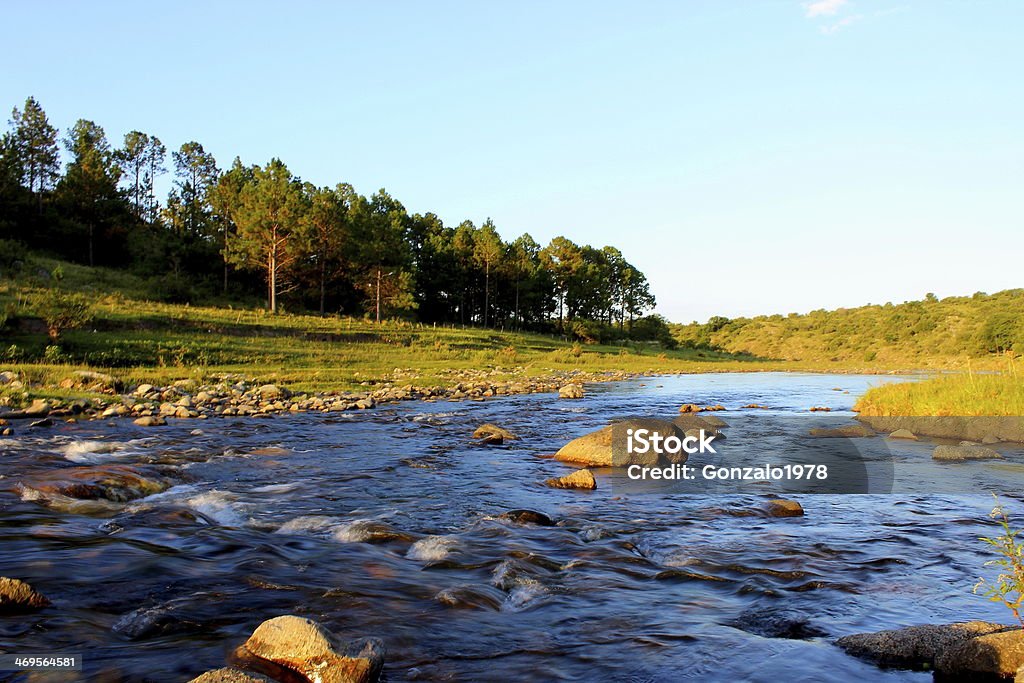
(438, 529)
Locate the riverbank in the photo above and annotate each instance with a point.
(963, 395)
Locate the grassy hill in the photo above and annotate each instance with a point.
(947, 333)
(140, 339)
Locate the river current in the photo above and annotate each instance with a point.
(387, 523)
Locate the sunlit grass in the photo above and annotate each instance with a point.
(967, 394)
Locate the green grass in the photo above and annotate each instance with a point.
(967, 394)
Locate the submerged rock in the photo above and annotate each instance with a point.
(305, 647)
(846, 431)
(17, 597)
(117, 483)
(962, 453)
(581, 479)
(490, 431)
(471, 596)
(914, 647)
(570, 391)
(780, 507)
(778, 623)
(527, 517)
(903, 434)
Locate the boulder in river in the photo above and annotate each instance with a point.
(528, 517)
(780, 507)
(903, 434)
(150, 421)
(305, 647)
(998, 654)
(609, 446)
(17, 597)
(914, 647)
(580, 479)
(230, 675)
(570, 391)
(117, 483)
(491, 433)
(963, 453)
(854, 431)
(711, 424)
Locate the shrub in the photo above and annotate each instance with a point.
(1008, 586)
(62, 311)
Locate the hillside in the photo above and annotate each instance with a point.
(947, 333)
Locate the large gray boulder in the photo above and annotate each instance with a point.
(963, 453)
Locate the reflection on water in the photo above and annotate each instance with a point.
(387, 523)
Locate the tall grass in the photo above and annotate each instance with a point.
(969, 394)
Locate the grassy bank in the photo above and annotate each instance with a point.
(967, 394)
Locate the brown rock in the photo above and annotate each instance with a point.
(229, 675)
(490, 430)
(780, 507)
(151, 421)
(570, 391)
(607, 447)
(17, 597)
(998, 654)
(962, 453)
(306, 647)
(903, 434)
(914, 646)
(581, 479)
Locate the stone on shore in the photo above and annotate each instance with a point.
(780, 507)
(94, 381)
(854, 431)
(964, 453)
(581, 479)
(229, 675)
(151, 421)
(272, 391)
(570, 391)
(914, 646)
(492, 431)
(903, 434)
(305, 647)
(17, 597)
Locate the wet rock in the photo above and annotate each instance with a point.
(144, 389)
(117, 483)
(903, 434)
(778, 623)
(158, 620)
(608, 447)
(581, 479)
(45, 422)
(709, 423)
(6, 431)
(989, 440)
(689, 408)
(570, 391)
(527, 517)
(854, 431)
(914, 646)
(780, 507)
(305, 647)
(229, 675)
(371, 531)
(820, 409)
(472, 596)
(489, 430)
(1008, 428)
(963, 453)
(754, 406)
(996, 654)
(17, 597)
(150, 421)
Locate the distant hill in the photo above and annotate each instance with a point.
(929, 332)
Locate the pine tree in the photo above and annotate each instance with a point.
(35, 149)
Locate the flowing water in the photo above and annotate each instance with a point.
(387, 523)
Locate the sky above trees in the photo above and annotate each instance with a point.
(771, 156)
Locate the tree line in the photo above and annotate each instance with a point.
(247, 230)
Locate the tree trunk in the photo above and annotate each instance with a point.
(322, 278)
(378, 295)
(517, 304)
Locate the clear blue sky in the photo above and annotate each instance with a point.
(750, 157)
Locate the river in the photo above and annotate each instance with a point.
(386, 523)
